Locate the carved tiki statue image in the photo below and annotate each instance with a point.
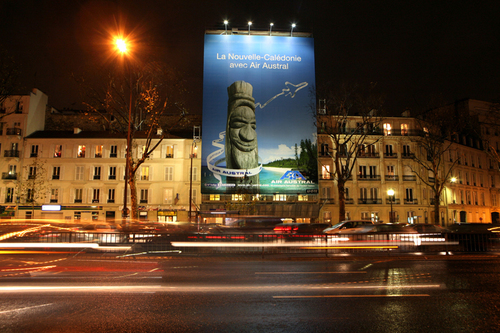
(241, 137)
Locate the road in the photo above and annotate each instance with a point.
(60, 293)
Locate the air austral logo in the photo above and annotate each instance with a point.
(292, 175)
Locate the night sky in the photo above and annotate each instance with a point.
(414, 50)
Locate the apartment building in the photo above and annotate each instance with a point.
(383, 179)
(85, 170)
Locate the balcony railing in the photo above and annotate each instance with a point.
(9, 175)
(55, 177)
(11, 153)
(14, 131)
(112, 177)
(368, 155)
(390, 155)
(349, 201)
(395, 201)
(408, 155)
(369, 177)
(392, 178)
(369, 201)
(411, 202)
(112, 155)
(97, 177)
(409, 178)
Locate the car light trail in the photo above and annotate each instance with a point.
(278, 273)
(353, 296)
(26, 308)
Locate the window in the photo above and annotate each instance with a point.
(112, 173)
(373, 171)
(34, 151)
(58, 151)
(374, 193)
(113, 151)
(97, 173)
(79, 173)
(169, 152)
(409, 194)
(388, 150)
(29, 195)
(279, 197)
(390, 170)
(81, 151)
(365, 216)
(144, 196)
(77, 216)
(78, 195)
(404, 129)
(325, 191)
(168, 195)
(406, 150)
(111, 195)
(195, 174)
(54, 195)
(169, 173)
(32, 172)
(9, 197)
(96, 193)
(214, 197)
(363, 193)
(56, 172)
(346, 193)
(387, 129)
(98, 151)
(362, 171)
(325, 172)
(193, 195)
(19, 107)
(145, 173)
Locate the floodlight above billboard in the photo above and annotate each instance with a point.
(258, 130)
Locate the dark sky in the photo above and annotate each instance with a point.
(414, 49)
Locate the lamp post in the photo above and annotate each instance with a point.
(390, 193)
(249, 25)
(291, 31)
(122, 47)
(192, 155)
(271, 28)
(226, 22)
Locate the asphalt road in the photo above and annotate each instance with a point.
(57, 293)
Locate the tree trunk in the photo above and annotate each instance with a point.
(436, 209)
(134, 213)
(341, 189)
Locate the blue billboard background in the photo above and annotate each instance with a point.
(281, 72)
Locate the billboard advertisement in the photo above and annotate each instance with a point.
(258, 128)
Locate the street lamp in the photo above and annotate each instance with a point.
(226, 22)
(193, 154)
(270, 28)
(390, 193)
(291, 32)
(122, 47)
(249, 25)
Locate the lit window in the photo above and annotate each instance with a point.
(58, 151)
(98, 151)
(54, 195)
(214, 197)
(387, 129)
(325, 172)
(404, 129)
(237, 197)
(169, 152)
(145, 173)
(81, 151)
(279, 197)
(303, 197)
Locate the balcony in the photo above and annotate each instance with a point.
(391, 178)
(55, 177)
(408, 155)
(14, 131)
(78, 200)
(34, 155)
(95, 200)
(31, 176)
(111, 200)
(395, 201)
(330, 201)
(369, 201)
(391, 155)
(11, 153)
(369, 177)
(113, 155)
(143, 177)
(409, 178)
(97, 177)
(411, 202)
(112, 177)
(367, 155)
(143, 201)
(349, 201)
(9, 175)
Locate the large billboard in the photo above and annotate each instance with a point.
(258, 128)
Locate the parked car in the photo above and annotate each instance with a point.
(301, 228)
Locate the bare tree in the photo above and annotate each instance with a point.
(150, 96)
(437, 155)
(31, 185)
(9, 80)
(348, 127)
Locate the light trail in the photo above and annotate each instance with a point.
(352, 296)
(279, 273)
(26, 308)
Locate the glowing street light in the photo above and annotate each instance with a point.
(123, 47)
(453, 179)
(390, 193)
(226, 22)
(291, 32)
(270, 28)
(249, 25)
